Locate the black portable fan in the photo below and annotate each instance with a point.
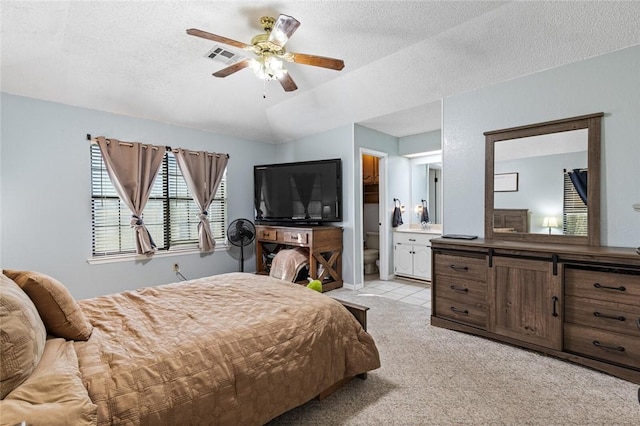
(241, 233)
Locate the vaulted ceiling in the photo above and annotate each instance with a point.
(401, 58)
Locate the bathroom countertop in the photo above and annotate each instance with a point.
(420, 230)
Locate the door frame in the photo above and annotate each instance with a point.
(383, 226)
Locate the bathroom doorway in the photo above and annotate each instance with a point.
(374, 229)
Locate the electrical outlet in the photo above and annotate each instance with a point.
(176, 267)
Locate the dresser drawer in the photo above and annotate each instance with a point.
(463, 267)
(462, 290)
(609, 286)
(268, 234)
(474, 314)
(610, 316)
(604, 345)
(295, 237)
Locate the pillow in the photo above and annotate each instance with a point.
(22, 336)
(60, 313)
(54, 393)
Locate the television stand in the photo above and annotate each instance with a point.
(323, 242)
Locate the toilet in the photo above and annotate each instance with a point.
(371, 252)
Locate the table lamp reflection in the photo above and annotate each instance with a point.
(550, 222)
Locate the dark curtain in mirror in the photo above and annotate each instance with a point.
(579, 180)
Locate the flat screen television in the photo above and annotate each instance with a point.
(307, 192)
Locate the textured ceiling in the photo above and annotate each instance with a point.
(401, 58)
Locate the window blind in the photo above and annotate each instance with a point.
(574, 216)
(170, 215)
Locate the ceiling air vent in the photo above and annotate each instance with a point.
(220, 54)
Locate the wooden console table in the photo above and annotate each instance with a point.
(323, 242)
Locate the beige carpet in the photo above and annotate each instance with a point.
(433, 376)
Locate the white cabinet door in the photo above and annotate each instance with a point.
(403, 259)
(422, 262)
(412, 254)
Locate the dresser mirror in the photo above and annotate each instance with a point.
(542, 182)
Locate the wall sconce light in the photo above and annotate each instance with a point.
(402, 208)
(418, 210)
(550, 222)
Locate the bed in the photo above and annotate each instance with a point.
(229, 349)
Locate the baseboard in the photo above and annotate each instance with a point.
(411, 279)
(354, 287)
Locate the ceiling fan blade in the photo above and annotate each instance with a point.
(287, 83)
(283, 29)
(232, 68)
(219, 39)
(316, 61)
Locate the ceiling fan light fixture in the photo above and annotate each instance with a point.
(268, 68)
(270, 52)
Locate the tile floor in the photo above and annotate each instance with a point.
(406, 291)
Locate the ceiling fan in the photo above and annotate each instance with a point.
(270, 51)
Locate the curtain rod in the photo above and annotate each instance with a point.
(167, 148)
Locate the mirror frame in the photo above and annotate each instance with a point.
(592, 122)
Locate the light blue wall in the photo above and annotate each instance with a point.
(422, 142)
(336, 143)
(609, 83)
(45, 190)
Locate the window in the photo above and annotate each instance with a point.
(170, 215)
(574, 216)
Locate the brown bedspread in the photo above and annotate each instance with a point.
(229, 349)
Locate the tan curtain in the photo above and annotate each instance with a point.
(203, 173)
(132, 168)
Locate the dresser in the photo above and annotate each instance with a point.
(577, 303)
(324, 244)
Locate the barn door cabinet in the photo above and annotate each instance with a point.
(577, 303)
(525, 296)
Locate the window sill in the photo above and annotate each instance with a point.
(143, 257)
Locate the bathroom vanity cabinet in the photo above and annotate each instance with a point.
(412, 254)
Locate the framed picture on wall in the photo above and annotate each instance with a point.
(505, 182)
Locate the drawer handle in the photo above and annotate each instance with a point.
(601, 346)
(554, 300)
(621, 288)
(599, 315)
(459, 311)
(460, 289)
(459, 268)
(412, 239)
